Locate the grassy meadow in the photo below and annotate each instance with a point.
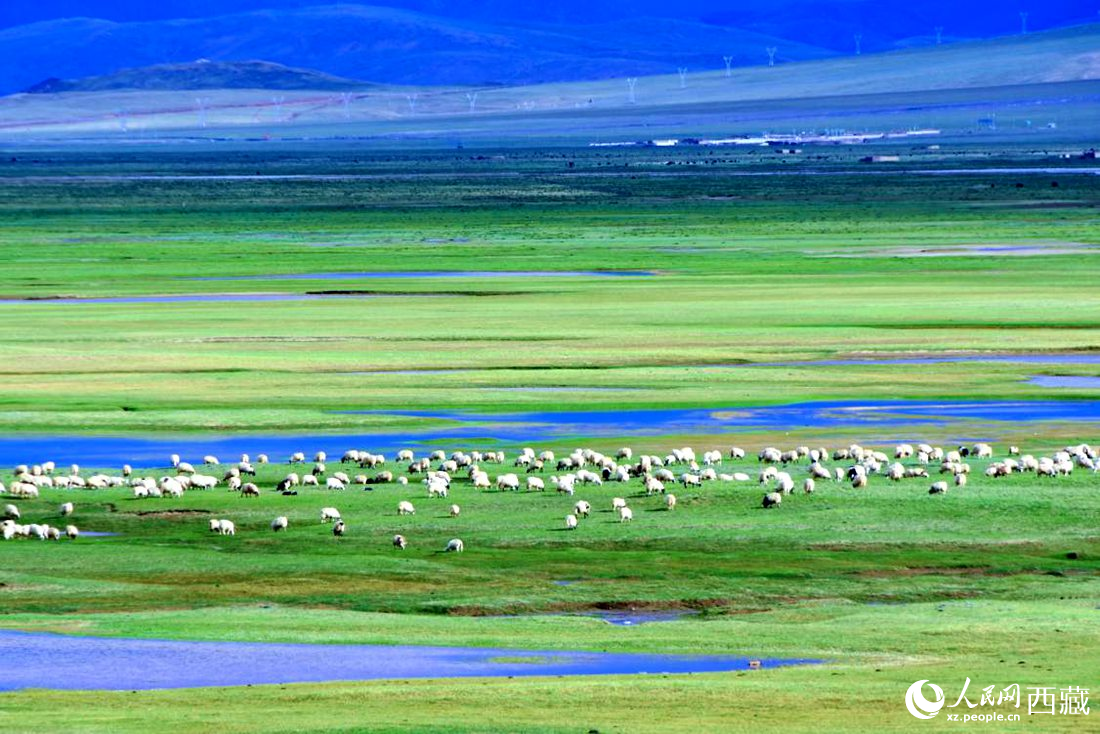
(752, 260)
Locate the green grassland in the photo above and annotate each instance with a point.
(746, 269)
(996, 581)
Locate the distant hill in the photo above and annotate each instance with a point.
(385, 45)
(203, 74)
(1036, 87)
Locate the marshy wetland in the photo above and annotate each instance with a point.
(688, 307)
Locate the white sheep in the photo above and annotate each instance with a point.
(534, 484)
(808, 485)
(772, 499)
(454, 545)
(508, 481)
(228, 528)
(329, 514)
(203, 481)
(455, 510)
(570, 522)
(404, 507)
(71, 532)
(670, 502)
(617, 503)
(310, 480)
(66, 509)
(399, 542)
(654, 486)
(279, 523)
(582, 508)
(339, 528)
(784, 483)
(11, 512)
(938, 488)
(625, 514)
(210, 460)
(334, 483)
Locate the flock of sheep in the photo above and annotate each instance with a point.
(583, 467)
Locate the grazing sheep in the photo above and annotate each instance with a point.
(654, 486)
(508, 481)
(404, 507)
(772, 499)
(960, 480)
(298, 457)
(625, 514)
(279, 523)
(737, 453)
(770, 455)
(740, 476)
(210, 460)
(938, 488)
(617, 503)
(334, 483)
(808, 485)
(71, 532)
(66, 509)
(570, 522)
(228, 528)
(670, 502)
(534, 484)
(52, 533)
(455, 510)
(693, 480)
(310, 480)
(329, 514)
(339, 528)
(399, 542)
(250, 490)
(582, 508)
(261, 458)
(203, 481)
(11, 512)
(454, 545)
(183, 468)
(784, 483)
(402, 480)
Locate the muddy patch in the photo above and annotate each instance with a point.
(170, 514)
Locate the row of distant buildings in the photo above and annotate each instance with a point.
(774, 140)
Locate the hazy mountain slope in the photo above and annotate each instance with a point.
(1029, 82)
(203, 74)
(382, 45)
